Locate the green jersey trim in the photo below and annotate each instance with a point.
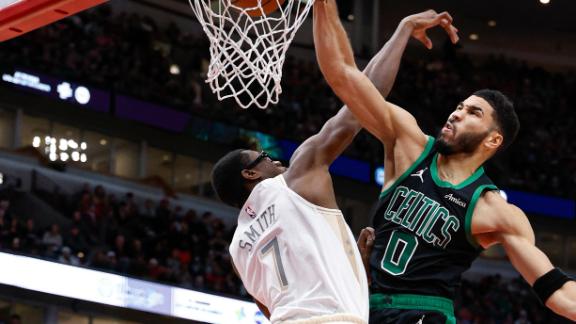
(468, 218)
(414, 302)
(421, 158)
(445, 184)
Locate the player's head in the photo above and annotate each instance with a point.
(485, 121)
(237, 172)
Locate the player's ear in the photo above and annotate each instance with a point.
(250, 174)
(494, 140)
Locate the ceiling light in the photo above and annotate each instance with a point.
(545, 1)
(103, 142)
(474, 37)
(72, 144)
(174, 69)
(63, 145)
(36, 141)
(492, 23)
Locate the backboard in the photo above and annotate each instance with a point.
(18, 17)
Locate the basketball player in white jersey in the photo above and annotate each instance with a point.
(292, 248)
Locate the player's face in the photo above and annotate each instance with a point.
(262, 163)
(467, 127)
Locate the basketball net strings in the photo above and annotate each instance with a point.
(247, 52)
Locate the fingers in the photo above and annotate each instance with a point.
(429, 19)
(366, 238)
(362, 238)
(445, 20)
(453, 34)
(444, 17)
(371, 235)
(426, 41)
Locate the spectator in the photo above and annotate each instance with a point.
(67, 257)
(52, 239)
(75, 240)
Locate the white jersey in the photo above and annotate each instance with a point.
(299, 259)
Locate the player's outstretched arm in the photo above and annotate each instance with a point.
(336, 59)
(338, 132)
(382, 70)
(509, 226)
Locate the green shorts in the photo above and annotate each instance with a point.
(404, 308)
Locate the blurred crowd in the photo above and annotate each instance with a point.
(154, 241)
(135, 55)
(492, 300)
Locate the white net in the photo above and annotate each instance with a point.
(248, 44)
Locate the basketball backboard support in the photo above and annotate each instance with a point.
(18, 17)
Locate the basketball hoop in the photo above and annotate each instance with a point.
(248, 44)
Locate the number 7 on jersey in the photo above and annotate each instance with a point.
(273, 248)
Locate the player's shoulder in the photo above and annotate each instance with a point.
(493, 199)
(500, 215)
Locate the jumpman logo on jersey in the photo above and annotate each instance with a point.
(421, 321)
(419, 174)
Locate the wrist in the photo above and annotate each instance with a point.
(407, 24)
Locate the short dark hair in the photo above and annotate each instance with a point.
(504, 114)
(227, 179)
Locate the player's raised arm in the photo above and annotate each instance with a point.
(336, 59)
(513, 230)
(338, 132)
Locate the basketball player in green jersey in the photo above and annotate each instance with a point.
(438, 209)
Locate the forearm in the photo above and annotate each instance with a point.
(563, 301)
(383, 67)
(532, 263)
(382, 70)
(333, 49)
